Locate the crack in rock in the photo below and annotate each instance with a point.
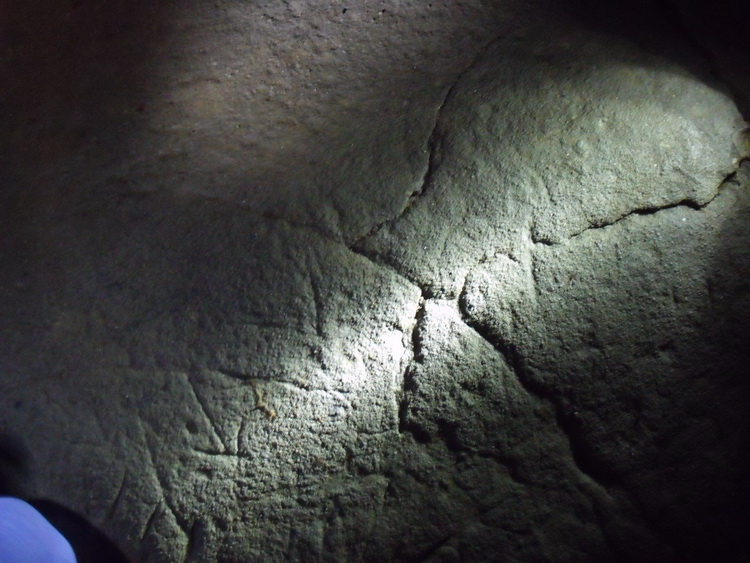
(434, 158)
(506, 349)
(686, 203)
(516, 362)
(408, 384)
(434, 150)
(690, 204)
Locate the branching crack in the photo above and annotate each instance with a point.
(685, 203)
(565, 421)
(434, 150)
(433, 162)
(690, 204)
(508, 350)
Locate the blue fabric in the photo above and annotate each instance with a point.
(27, 537)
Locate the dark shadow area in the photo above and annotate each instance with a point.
(89, 544)
(704, 465)
(274, 107)
(723, 457)
(73, 75)
(712, 31)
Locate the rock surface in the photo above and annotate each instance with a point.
(415, 281)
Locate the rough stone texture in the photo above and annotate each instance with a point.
(380, 281)
(527, 172)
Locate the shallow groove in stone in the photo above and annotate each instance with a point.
(150, 520)
(206, 413)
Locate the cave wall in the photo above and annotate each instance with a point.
(378, 281)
